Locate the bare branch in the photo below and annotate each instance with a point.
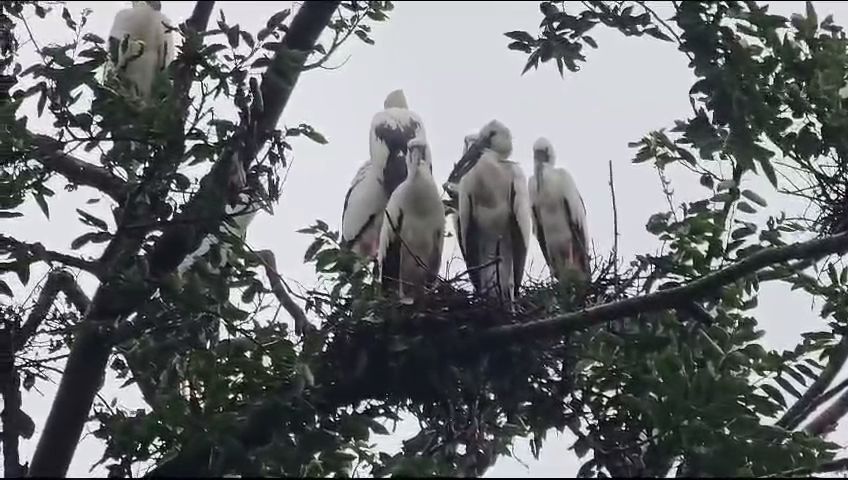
(670, 298)
(267, 259)
(78, 171)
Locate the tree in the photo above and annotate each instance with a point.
(655, 367)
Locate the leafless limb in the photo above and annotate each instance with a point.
(269, 262)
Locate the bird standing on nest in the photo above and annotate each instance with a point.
(494, 216)
(559, 215)
(412, 234)
(366, 199)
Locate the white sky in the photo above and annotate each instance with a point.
(452, 62)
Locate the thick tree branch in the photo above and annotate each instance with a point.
(827, 421)
(671, 298)
(115, 299)
(800, 410)
(35, 252)
(78, 171)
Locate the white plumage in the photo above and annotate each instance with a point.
(374, 182)
(559, 214)
(494, 216)
(240, 210)
(412, 233)
(140, 46)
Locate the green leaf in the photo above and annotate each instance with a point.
(752, 196)
(521, 36)
(90, 219)
(94, 237)
(5, 214)
(42, 204)
(769, 171)
(774, 393)
(745, 207)
(788, 387)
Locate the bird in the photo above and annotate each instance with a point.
(559, 214)
(412, 233)
(140, 46)
(369, 192)
(247, 196)
(494, 216)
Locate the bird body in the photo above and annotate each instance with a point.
(141, 46)
(412, 234)
(494, 217)
(559, 214)
(391, 131)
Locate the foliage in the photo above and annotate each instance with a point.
(688, 387)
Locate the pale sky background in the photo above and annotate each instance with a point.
(452, 62)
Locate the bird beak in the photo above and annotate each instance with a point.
(469, 159)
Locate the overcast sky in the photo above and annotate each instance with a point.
(452, 62)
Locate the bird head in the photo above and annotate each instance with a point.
(497, 137)
(543, 152)
(494, 135)
(418, 155)
(395, 99)
(155, 5)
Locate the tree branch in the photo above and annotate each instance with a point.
(37, 253)
(800, 410)
(116, 298)
(826, 422)
(267, 259)
(78, 171)
(671, 298)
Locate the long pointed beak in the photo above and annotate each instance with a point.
(469, 159)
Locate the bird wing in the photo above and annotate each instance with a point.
(576, 210)
(469, 240)
(434, 263)
(391, 131)
(363, 201)
(519, 228)
(390, 249)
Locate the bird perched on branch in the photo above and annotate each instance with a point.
(413, 229)
(494, 215)
(140, 46)
(374, 182)
(247, 196)
(559, 214)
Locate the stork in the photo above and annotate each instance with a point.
(494, 215)
(559, 214)
(140, 46)
(374, 182)
(247, 197)
(412, 234)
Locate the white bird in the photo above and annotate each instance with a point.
(374, 182)
(247, 197)
(494, 216)
(559, 214)
(140, 46)
(412, 235)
